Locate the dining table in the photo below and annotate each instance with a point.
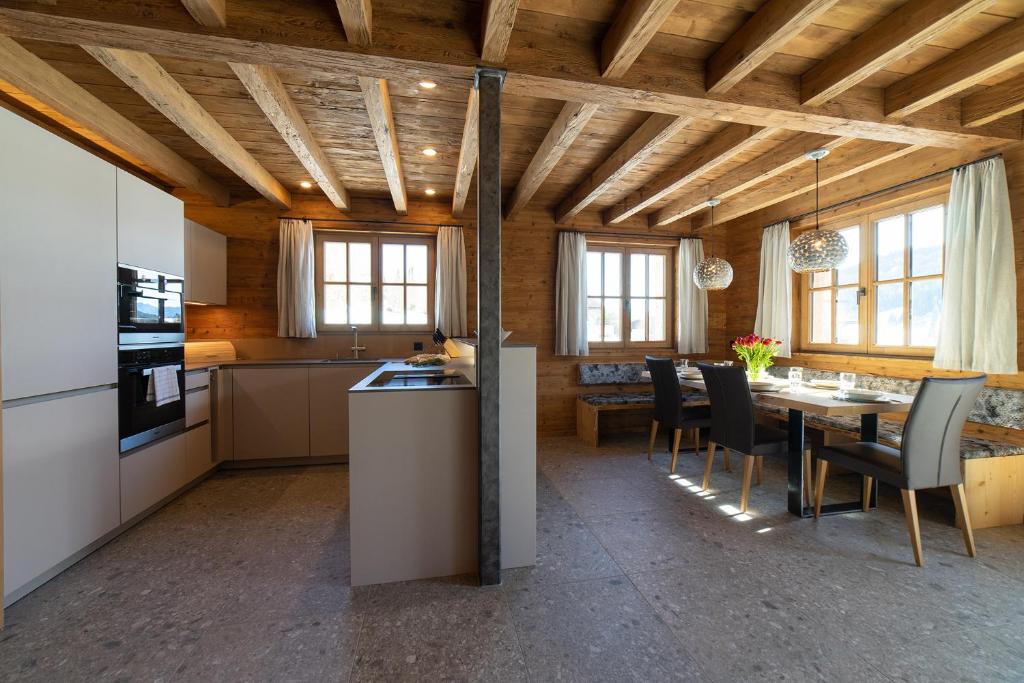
(826, 402)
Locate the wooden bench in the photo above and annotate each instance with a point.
(590, 406)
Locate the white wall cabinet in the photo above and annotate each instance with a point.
(328, 406)
(152, 473)
(60, 483)
(58, 259)
(150, 226)
(271, 413)
(206, 258)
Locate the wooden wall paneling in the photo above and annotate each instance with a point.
(144, 75)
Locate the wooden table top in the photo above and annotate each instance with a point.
(818, 401)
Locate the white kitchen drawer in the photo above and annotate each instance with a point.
(196, 379)
(197, 407)
(199, 445)
(152, 473)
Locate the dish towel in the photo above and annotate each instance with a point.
(163, 385)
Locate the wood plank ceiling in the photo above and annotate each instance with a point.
(626, 108)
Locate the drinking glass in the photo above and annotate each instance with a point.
(847, 381)
(683, 364)
(796, 378)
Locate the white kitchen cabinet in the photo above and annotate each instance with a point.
(197, 406)
(150, 226)
(206, 258)
(199, 449)
(328, 406)
(271, 413)
(60, 483)
(58, 263)
(152, 473)
(221, 394)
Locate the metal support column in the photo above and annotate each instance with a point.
(488, 286)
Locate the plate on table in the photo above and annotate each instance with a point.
(762, 386)
(690, 373)
(863, 395)
(824, 383)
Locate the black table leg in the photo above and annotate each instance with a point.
(869, 432)
(795, 493)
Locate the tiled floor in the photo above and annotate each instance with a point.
(638, 578)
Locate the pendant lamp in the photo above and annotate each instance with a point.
(817, 250)
(712, 273)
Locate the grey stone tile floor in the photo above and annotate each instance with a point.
(639, 577)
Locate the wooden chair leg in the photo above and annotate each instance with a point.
(696, 441)
(676, 436)
(819, 486)
(910, 508)
(760, 469)
(728, 465)
(808, 478)
(748, 471)
(654, 435)
(865, 494)
(708, 462)
(960, 501)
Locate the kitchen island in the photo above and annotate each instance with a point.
(413, 469)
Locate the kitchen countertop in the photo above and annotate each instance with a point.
(271, 362)
(398, 366)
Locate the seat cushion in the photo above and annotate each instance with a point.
(872, 459)
(617, 399)
(770, 441)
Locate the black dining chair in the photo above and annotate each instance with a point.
(928, 457)
(734, 428)
(669, 410)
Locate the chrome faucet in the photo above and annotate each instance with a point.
(356, 348)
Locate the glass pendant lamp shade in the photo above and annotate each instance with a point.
(817, 250)
(713, 273)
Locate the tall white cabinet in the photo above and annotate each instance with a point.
(58, 263)
(150, 226)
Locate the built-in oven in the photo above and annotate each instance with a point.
(149, 408)
(149, 306)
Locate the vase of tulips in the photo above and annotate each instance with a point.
(756, 353)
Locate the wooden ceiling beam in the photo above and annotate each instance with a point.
(634, 26)
(211, 13)
(849, 160)
(269, 92)
(660, 85)
(772, 163)
(978, 61)
(144, 75)
(657, 129)
(468, 151)
(722, 147)
(993, 103)
(378, 107)
(772, 26)
(498, 19)
(357, 18)
(897, 35)
(36, 78)
(569, 124)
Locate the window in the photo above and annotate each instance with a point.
(376, 282)
(886, 296)
(629, 299)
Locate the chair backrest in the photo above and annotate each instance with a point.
(732, 408)
(667, 395)
(931, 436)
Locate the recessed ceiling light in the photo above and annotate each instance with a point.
(430, 191)
(305, 184)
(428, 85)
(430, 152)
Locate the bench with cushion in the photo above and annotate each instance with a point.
(993, 469)
(589, 407)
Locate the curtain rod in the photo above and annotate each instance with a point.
(626, 235)
(870, 195)
(371, 222)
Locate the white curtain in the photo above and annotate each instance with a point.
(296, 296)
(978, 324)
(450, 282)
(571, 296)
(775, 288)
(692, 325)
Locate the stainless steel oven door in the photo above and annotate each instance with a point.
(141, 420)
